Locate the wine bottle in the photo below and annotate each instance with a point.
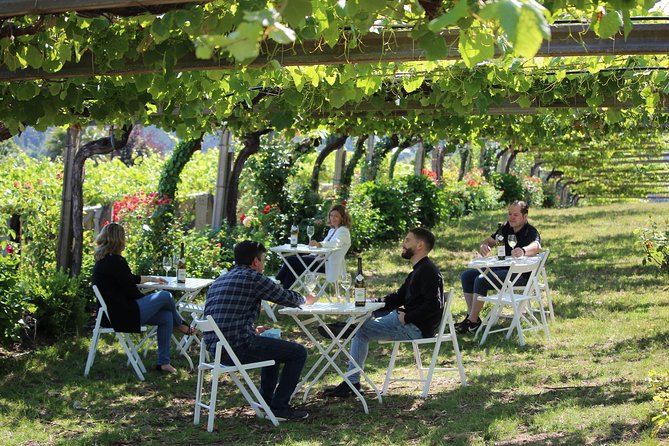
(360, 287)
(181, 266)
(499, 241)
(294, 232)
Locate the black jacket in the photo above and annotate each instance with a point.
(118, 286)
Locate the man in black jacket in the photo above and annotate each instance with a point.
(414, 311)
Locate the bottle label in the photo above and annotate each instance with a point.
(293, 240)
(360, 296)
(501, 251)
(181, 275)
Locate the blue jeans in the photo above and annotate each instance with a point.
(159, 309)
(386, 328)
(291, 354)
(474, 282)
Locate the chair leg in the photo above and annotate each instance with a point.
(430, 371)
(491, 318)
(212, 401)
(456, 349)
(516, 323)
(391, 366)
(257, 397)
(419, 361)
(91, 351)
(549, 301)
(198, 396)
(132, 355)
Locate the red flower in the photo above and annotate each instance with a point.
(241, 219)
(266, 210)
(9, 249)
(343, 202)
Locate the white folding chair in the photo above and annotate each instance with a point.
(236, 371)
(542, 281)
(442, 336)
(124, 338)
(519, 298)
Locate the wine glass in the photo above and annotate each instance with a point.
(345, 282)
(167, 264)
(310, 281)
(310, 232)
(512, 241)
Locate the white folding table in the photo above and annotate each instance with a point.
(486, 264)
(185, 303)
(310, 317)
(320, 255)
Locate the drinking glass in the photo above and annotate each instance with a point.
(310, 281)
(512, 241)
(345, 282)
(310, 232)
(167, 264)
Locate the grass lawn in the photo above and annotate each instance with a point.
(583, 386)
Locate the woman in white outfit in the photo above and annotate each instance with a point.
(338, 237)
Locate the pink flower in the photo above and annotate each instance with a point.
(9, 249)
(247, 222)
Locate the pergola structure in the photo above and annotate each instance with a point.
(386, 44)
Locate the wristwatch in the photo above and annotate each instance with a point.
(523, 250)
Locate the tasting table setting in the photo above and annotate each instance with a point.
(185, 303)
(310, 317)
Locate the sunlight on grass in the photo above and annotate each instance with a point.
(585, 385)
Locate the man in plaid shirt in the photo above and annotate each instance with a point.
(234, 301)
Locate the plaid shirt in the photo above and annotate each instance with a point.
(234, 300)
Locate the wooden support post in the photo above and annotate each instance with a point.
(225, 158)
(340, 165)
(65, 234)
(420, 158)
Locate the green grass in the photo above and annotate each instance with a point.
(583, 386)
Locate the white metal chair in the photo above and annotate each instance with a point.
(542, 286)
(520, 299)
(124, 338)
(426, 373)
(238, 372)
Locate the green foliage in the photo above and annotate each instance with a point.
(551, 199)
(533, 192)
(13, 303)
(473, 194)
(510, 186)
(659, 383)
(654, 241)
(59, 301)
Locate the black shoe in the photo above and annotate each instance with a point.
(468, 326)
(290, 414)
(342, 390)
(462, 324)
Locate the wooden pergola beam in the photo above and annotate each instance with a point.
(16, 8)
(392, 46)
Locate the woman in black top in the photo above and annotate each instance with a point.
(128, 308)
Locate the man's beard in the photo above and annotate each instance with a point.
(407, 253)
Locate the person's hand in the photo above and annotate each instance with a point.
(160, 280)
(484, 249)
(314, 243)
(311, 299)
(517, 252)
(400, 316)
(261, 328)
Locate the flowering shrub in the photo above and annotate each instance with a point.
(473, 193)
(655, 244)
(509, 185)
(533, 192)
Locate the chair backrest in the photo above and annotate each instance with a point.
(207, 325)
(445, 313)
(541, 271)
(103, 313)
(516, 271)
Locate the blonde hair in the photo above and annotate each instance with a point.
(345, 216)
(110, 240)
